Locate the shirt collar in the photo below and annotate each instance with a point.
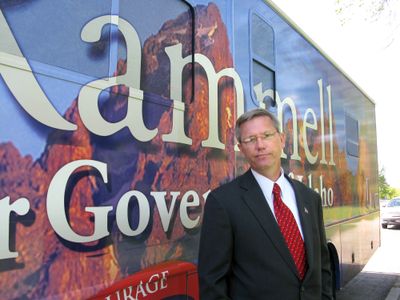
(279, 180)
(267, 183)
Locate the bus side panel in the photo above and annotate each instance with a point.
(111, 140)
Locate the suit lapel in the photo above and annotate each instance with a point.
(255, 200)
(304, 209)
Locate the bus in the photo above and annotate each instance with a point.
(117, 119)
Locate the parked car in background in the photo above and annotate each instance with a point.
(391, 213)
(383, 202)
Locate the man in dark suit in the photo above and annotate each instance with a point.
(263, 235)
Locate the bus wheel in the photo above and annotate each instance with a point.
(333, 272)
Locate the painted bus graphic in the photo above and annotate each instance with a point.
(119, 118)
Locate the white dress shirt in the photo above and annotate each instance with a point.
(287, 194)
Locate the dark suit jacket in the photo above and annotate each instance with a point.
(243, 254)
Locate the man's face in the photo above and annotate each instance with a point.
(262, 146)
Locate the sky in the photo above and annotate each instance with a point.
(367, 48)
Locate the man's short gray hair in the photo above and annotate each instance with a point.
(254, 113)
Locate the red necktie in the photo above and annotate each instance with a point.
(290, 232)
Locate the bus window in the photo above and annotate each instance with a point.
(352, 136)
(262, 55)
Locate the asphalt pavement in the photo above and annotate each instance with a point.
(380, 278)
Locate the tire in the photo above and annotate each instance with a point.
(333, 255)
(333, 272)
(384, 225)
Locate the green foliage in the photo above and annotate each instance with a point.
(381, 14)
(384, 189)
(367, 10)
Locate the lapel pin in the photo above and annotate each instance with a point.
(306, 210)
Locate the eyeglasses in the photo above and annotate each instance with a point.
(252, 140)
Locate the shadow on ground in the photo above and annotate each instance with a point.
(367, 285)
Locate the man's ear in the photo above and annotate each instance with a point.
(283, 139)
(240, 147)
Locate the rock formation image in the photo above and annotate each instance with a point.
(48, 265)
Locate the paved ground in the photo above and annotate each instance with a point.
(368, 286)
(380, 279)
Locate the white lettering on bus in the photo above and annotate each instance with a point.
(55, 204)
(44, 112)
(177, 64)
(156, 282)
(21, 208)
(326, 193)
(312, 158)
(57, 215)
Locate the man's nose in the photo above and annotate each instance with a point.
(260, 142)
